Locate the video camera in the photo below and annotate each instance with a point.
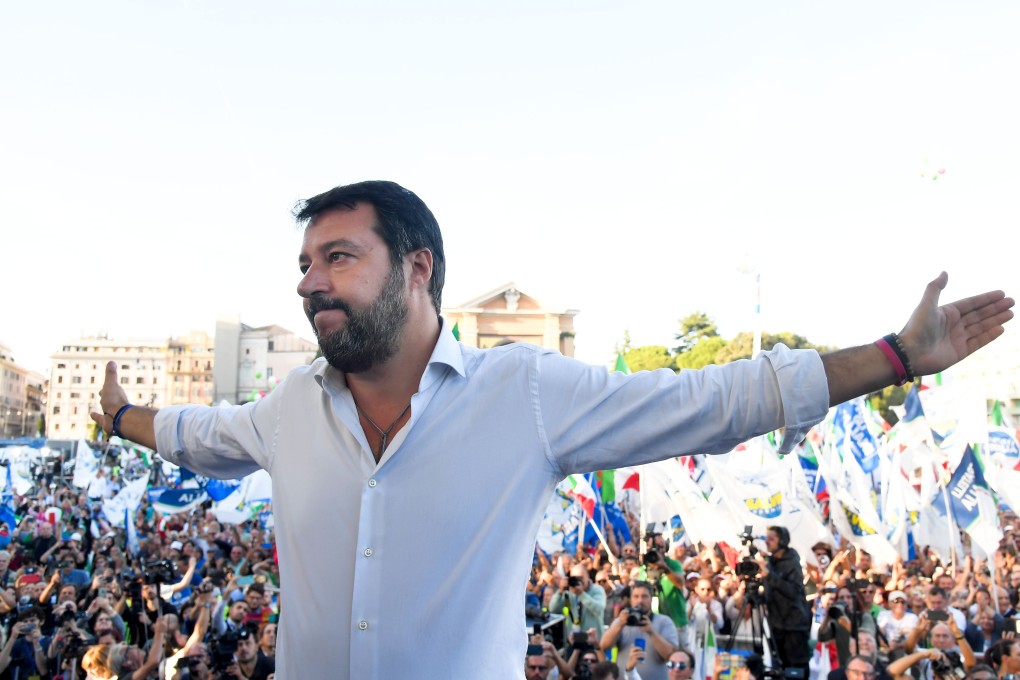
(747, 568)
(223, 648)
(160, 571)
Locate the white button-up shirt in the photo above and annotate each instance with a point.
(417, 565)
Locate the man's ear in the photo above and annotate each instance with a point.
(421, 267)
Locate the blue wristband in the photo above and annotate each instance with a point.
(116, 420)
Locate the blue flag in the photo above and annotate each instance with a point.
(7, 504)
(853, 433)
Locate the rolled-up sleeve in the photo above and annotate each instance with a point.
(803, 389)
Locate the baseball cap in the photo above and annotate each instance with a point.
(75, 537)
(692, 574)
(177, 545)
(897, 594)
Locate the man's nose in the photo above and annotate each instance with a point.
(313, 281)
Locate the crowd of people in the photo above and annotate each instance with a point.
(184, 596)
(716, 611)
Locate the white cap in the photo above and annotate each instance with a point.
(177, 545)
(75, 536)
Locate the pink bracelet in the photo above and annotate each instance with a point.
(894, 359)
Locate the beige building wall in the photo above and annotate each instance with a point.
(14, 416)
(77, 373)
(190, 369)
(507, 314)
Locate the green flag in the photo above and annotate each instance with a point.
(456, 331)
(621, 365)
(996, 415)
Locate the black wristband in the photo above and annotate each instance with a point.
(897, 346)
(116, 420)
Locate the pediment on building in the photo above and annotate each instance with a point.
(507, 297)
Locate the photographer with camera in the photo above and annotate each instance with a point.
(667, 577)
(23, 655)
(582, 601)
(843, 622)
(249, 663)
(584, 653)
(787, 609)
(69, 639)
(944, 637)
(637, 627)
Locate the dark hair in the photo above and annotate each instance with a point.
(690, 657)
(405, 223)
(980, 668)
(604, 670)
(1001, 648)
(938, 592)
(783, 534)
(643, 584)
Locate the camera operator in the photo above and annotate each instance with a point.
(69, 639)
(584, 651)
(843, 621)
(944, 637)
(787, 609)
(637, 622)
(667, 578)
(23, 655)
(931, 664)
(249, 661)
(581, 600)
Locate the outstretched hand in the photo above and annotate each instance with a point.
(936, 337)
(112, 398)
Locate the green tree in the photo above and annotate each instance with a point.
(649, 358)
(883, 401)
(702, 354)
(693, 329)
(740, 347)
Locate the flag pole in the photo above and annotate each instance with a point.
(949, 525)
(641, 514)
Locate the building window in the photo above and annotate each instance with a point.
(124, 380)
(56, 426)
(56, 410)
(270, 345)
(60, 379)
(140, 380)
(124, 367)
(92, 380)
(269, 372)
(247, 350)
(62, 365)
(76, 380)
(75, 395)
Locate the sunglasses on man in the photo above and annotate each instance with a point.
(679, 665)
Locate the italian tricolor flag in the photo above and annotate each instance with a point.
(582, 493)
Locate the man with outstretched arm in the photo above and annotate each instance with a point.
(408, 442)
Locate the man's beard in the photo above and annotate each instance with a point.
(370, 336)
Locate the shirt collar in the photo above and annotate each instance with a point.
(446, 352)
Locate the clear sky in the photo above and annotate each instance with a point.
(626, 159)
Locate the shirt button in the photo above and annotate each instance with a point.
(363, 625)
(368, 552)
(372, 483)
